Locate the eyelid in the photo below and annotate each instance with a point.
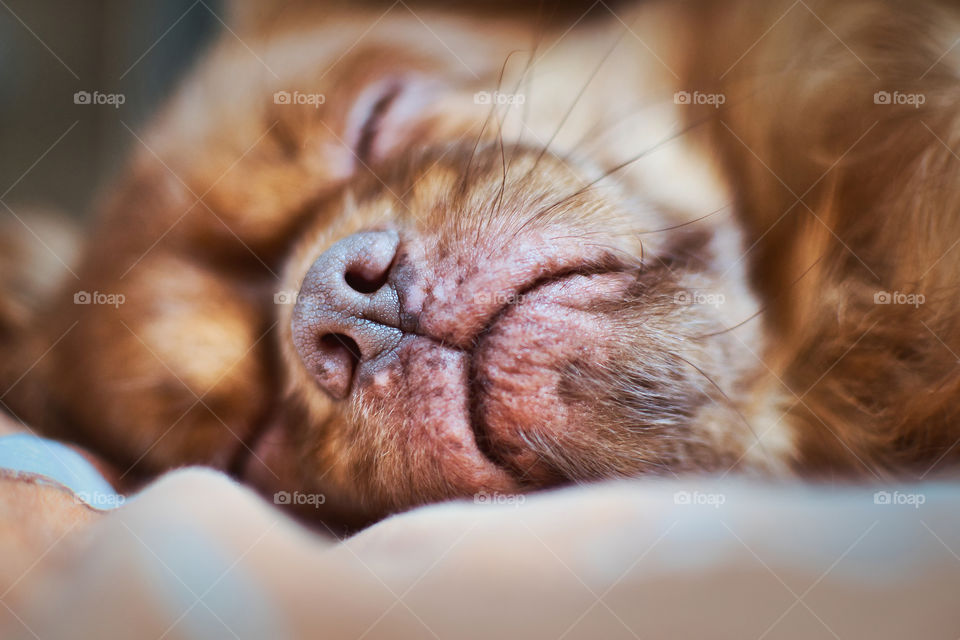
(367, 115)
(386, 112)
(371, 125)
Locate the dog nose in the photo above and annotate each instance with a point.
(348, 310)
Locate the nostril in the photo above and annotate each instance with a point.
(335, 342)
(335, 360)
(362, 281)
(367, 260)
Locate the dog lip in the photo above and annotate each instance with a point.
(457, 296)
(529, 288)
(503, 442)
(476, 393)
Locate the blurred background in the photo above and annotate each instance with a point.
(54, 152)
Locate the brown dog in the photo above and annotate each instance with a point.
(401, 258)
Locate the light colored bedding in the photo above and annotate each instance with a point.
(197, 556)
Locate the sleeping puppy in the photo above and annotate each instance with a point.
(395, 258)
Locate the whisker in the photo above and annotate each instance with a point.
(540, 214)
(765, 307)
(580, 94)
(687, 223)
(465, 179)
(527, 76)
(727, 399)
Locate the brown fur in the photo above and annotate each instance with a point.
(876, 384)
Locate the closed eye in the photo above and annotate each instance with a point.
(373, 120)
